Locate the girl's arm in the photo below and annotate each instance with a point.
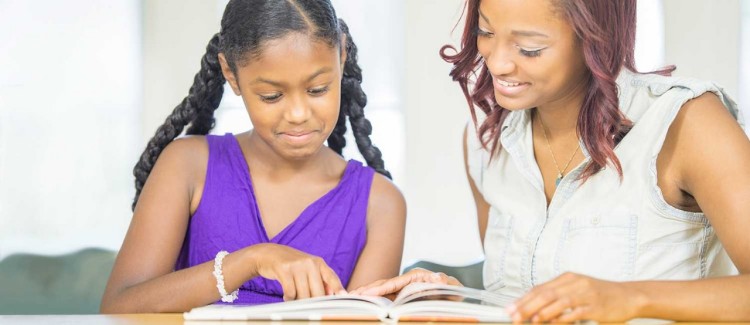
(391, 286)
(143, 277)
(707, 155)
(386, 219)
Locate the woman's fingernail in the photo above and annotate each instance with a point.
(435, 276)
(535, 319)
(341, 292)
(510, 309)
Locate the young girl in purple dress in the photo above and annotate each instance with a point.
(271, 214)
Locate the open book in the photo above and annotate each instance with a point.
(416, 302)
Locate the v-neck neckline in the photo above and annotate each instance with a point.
(248, 179)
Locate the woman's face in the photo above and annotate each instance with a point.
(292, 92)
(532, 53)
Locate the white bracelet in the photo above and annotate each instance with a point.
(220, 279)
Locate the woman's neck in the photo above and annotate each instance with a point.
(560, 117)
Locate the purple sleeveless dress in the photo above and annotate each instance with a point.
(227, 218)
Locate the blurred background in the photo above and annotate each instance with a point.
(85, 83)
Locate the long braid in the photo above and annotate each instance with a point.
(197, 109)
(336, 140)
(353, 101)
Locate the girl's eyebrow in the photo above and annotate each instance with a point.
(280, 84)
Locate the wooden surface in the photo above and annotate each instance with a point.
(177, 319)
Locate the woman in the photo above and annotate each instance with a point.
(602, 193)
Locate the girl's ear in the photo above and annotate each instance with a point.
(228, 74)
(343, 52)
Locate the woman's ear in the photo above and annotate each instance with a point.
(343, 52)
(228, 74)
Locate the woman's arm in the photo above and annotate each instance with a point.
(483, 208)
(386, 220)
(707, 155)
(143, 277)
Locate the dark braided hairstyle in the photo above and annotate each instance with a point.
(245, 27)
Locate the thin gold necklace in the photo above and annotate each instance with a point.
(559, 172)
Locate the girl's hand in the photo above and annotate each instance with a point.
(301, 275)
(571, 297)
(391, 287)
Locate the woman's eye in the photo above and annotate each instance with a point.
(532, 53)
(270, 98)
(318, 91)
(483, 33)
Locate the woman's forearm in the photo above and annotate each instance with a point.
(717, 299)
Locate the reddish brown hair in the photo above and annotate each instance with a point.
(606, 32)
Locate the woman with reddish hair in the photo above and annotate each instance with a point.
(602, 192)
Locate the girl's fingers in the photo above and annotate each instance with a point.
(287, 285)
(301, 285)
(331, 280)
(316, 283)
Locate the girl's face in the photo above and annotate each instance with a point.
(292, 92)
(531, 52)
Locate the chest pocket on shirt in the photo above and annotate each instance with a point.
(602, 246)
(497, 239)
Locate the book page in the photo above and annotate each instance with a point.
(347, 307)
(434, 291)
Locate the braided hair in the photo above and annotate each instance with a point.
(245, 26)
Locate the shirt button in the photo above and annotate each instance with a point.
(595, 220)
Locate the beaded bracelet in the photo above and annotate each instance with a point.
(220, 279)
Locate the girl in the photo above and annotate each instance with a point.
(602, 193)
(271, 213)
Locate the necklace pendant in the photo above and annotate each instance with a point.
(558, 179)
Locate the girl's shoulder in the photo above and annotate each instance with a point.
(187, 155)
(386, 201)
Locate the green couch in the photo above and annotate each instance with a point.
(64, 284)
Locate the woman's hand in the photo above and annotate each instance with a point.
(391, 287)
(571, 297)
(301, 275)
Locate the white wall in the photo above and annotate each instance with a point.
(703, 40)
(70, 77)
(175, 35)
(75, 110)
(442, 219)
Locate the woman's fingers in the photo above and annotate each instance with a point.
(361, 289)
(542, 297)
(554, 310)
(392, 285)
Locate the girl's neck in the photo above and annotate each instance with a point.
(268, 162)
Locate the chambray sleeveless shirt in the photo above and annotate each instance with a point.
(332, 228)
(604, 228)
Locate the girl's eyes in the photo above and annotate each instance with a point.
(318, 91)
(273, 98)
(270, 98)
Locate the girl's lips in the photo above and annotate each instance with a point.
(509, 89)
(297, 138)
